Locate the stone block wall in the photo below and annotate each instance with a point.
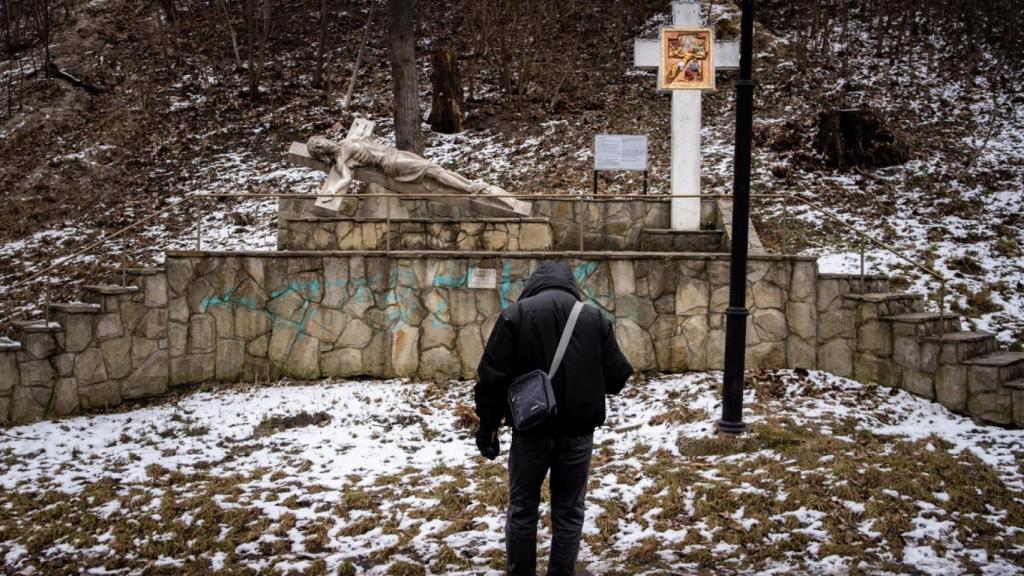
(89, 355)
(473, 234)
(609, 223)
(837, 320)
(666, 240)
(888, 338)
(311, 315)
(307, 315)
(10, 378)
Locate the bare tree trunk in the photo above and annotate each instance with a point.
(9, 49)
(321, 40)
(403, 77)
(5, 5)
(250, 42)
(18, 93)
(161, 35)
(844, 36)
(144, 93)
(10, 92)
(231, 31)
(170, 11)
(46, 42)
(257, 43)
(41, 18)
(264, 39)
(620, 28)
(359, 58)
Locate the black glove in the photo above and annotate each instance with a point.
(487, 443)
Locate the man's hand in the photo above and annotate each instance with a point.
(487, 443)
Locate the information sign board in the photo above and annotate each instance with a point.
(620, 152)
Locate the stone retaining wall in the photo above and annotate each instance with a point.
(472, 234)
(314, 315)
(260, 316)
(665, 240)
(609, 223)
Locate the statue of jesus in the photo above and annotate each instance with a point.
(398, 165)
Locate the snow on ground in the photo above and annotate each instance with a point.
(383, 478)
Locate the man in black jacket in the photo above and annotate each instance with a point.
(524, 338)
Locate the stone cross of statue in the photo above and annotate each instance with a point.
(361, 128)
(686, 122)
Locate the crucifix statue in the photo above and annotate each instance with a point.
(357, 157)
(686, 104)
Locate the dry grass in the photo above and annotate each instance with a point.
(274, 424)
(746, 504)
(466, 418)
(676, 416)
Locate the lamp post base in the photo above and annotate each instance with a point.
(734, 428)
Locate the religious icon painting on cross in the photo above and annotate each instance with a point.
(686, 62)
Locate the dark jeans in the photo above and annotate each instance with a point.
(528, 462)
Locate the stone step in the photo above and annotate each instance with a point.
(8, 345)
(844, 276)
(77, 319)
(38, 337)
(131, 271)
(1016, 390)
(922, 324)
(993, 384)
(1000, 358)
(667, 240)
(881, 304)
(110, 289)
(36, 326)
(851, 283)
(138, 277)
(879, 297)
(957, 347)
(996, 367)
(76, 308)
(107, 295)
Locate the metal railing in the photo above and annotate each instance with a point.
(122, 233)
(863, 240)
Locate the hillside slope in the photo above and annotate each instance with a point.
(175, 119)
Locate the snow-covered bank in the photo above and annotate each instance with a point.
(380, 477)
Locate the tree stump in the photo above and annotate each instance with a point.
(857, 138)
(446, 108)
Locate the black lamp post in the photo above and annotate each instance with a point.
(736, 313)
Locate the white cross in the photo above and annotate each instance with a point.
(686, 115)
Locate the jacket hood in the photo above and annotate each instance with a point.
(551, 276)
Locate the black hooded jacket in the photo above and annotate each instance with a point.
(525, 337)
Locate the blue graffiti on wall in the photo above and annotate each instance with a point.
(398, 295)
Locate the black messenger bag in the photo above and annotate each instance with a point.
(530, 396)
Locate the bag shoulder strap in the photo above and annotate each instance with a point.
(563, 343)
